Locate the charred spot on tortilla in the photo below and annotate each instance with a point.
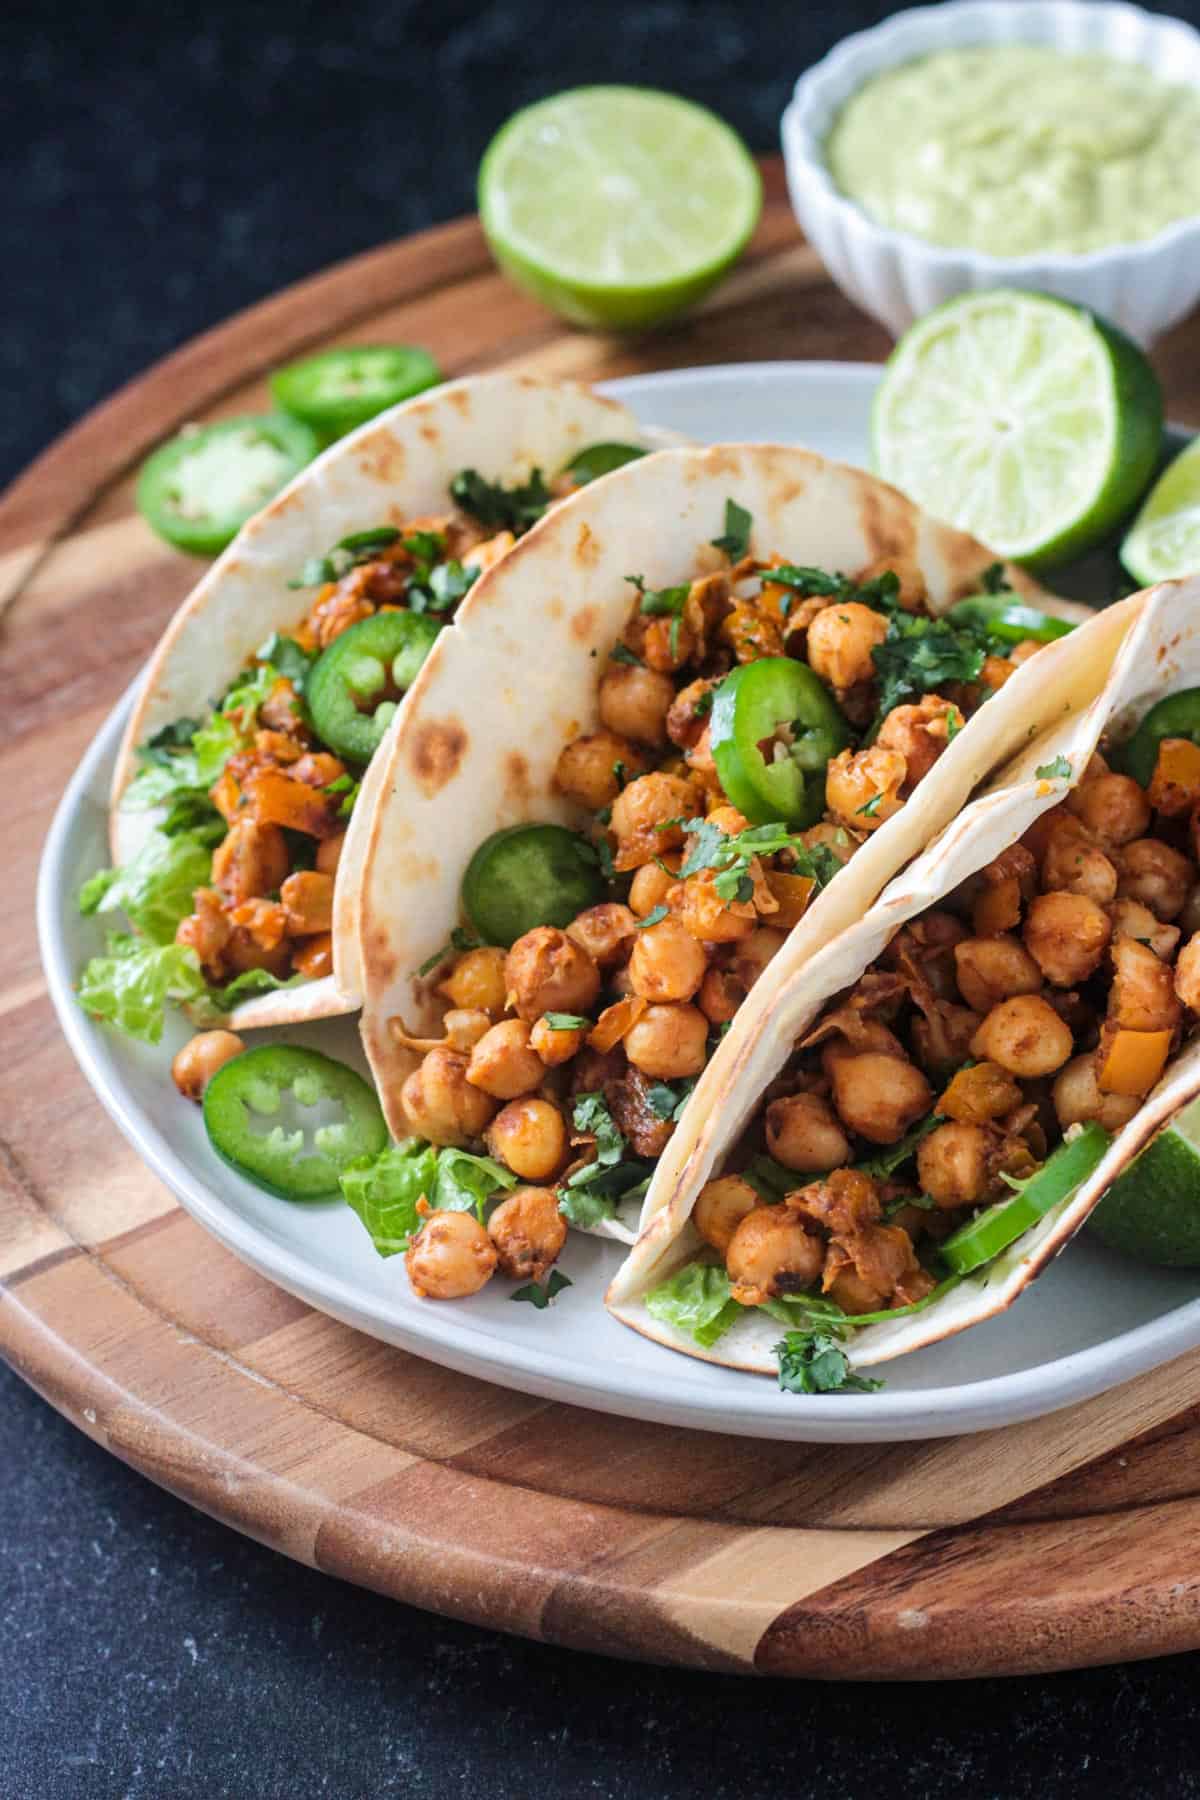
(889, 523)
(585, 623)
(516, 778)
(437, 753)
(460, 398)
(383, 459)
(720, 461)
(554, 608)
(587, 547)
(430, 433)
(786, 493)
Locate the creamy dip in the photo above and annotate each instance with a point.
(1013, 149)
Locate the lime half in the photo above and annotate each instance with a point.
(1165, 537)
(1152, 1211)
(1024, 420)
(617, 206)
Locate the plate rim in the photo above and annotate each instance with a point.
(624, 1391)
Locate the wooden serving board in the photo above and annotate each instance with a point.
(1071, 1540)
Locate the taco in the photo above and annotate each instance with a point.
(246, 777)
(627, 784)
(942, 1096)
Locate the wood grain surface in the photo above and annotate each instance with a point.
(1070, 1540)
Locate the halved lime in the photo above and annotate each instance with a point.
(1152, 1211)
(1164, 539)
(1024, 420)
(617, 206)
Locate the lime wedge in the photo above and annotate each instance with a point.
(1165, 537)
(1024, 420)
(617, 206)
(1152, 1211)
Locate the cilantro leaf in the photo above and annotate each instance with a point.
(994, 581)
(655, 916)
(668, 1099)
(917, 656)
(287, 658)
(1050, 771)
(593, 1192)
(735, 539)
(813, 1362)
(660, 602)
(566, 1022)
(500, 508)
(621, 653)
(540, 1296)
(896, 1155)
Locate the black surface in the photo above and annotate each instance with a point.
(164, 167)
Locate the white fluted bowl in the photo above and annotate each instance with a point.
(1145, 287)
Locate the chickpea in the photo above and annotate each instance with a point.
(992, 969)
(651, 885)
(952, 1164)
(250, 861)
(750, 955)
(441, 1104)
(803, 1133)
(684, 721)
(1137, 921)
(1025, 1036)
(503, 1062)
(721, 993)
(920, 733)
(556, 1044)
(634, 703)
(1067, 935)
(307, 900)
(720, 1209)
(862, 787)
(1150, 871)
(546, 972)
(476, 981)
(586, 770)
(668, 1042)
(450, 1257)
(606, 932)
(769, 1254)
(667, 962)
(1072, 862)
(529, 1232)
(840, 641)
(1142, 996)
(464, 1026)
(879, 1095)
(195, 1065)
(1189, 918)
(329, 853)
(529, 1137)
(641, 812)
(1187, 975)
(708, 917)
(1077, 1097)
(1112, 807)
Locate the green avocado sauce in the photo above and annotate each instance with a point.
(1013, 149)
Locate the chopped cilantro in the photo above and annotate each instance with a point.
(359, 547)
(660, 602)
(870, 807)
(623, 654)
(917, 656)
(1059, 768)
(994, 581)
(668, 1101)
(654, 917)
(813, 1362)
(540, 1296)
(735, 539)
(500, 508)
(567, 1022)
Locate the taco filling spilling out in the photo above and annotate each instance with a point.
(756, 724)
(231, 893)
(969, 1081)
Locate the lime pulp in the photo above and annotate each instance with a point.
(617, 206)
(1164, 540)
(1027, 421)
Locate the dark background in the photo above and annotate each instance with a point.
(163, 168)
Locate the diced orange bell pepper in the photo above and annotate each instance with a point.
(615, 1021)
(793, 892)
(314, 957)
(1130, 1062)
(275, 799)
(226, 796)
(1175, 784)
(977, 1095)
(997, 908)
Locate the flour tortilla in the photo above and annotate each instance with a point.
(396, 468)
(1160, 655)
(518, 678)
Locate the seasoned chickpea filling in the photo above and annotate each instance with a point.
(755, 725)
(1047, 993)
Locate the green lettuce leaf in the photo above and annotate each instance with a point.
(383, 1190)
(465, 1183)
(154, 891)
(130, 985)
(695, 1300)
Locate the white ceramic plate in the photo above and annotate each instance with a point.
(1090, 1323)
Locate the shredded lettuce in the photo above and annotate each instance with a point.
(189, 755)
(156, 890)
(696, 1300)
(130, 985)
(384, 1190)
